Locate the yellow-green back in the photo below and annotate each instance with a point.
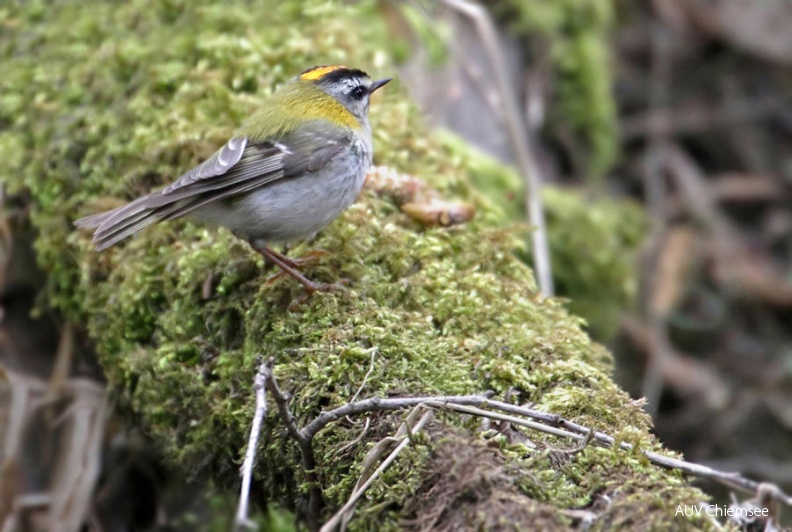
(293, 104)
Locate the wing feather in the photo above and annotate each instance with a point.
(218, 164)
(240, 166)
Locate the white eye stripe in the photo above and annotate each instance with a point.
(353, 82)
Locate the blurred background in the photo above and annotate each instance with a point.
(661, 131)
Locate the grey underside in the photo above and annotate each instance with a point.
(290, 208)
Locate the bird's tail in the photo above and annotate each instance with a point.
(117, 224)
(114, 226)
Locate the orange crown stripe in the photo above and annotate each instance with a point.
(319, 72)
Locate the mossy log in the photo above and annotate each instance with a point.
(103, 103)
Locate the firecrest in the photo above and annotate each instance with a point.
(290, 170)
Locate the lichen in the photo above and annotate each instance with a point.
(107, 101)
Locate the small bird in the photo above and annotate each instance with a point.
(290, 170)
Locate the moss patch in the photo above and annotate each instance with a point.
(594, 241)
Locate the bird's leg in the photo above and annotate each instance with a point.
(307, 260)
(290, 266)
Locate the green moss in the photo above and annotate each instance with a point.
(111, 100)
(594, 241)
(595, 245)
(577, 33)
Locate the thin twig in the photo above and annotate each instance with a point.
(519, 138)
(315, 499)
(282, 401)
(578, 432)
(503, 417)
(549, 423)
(356, 440)
(365, 380)
(377, 404)
(582, 444)
(660, 76)
(355, 496)
(259, 382)
(366, 376)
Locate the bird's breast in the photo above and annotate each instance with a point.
(296, 207)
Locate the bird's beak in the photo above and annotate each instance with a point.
(377, 84)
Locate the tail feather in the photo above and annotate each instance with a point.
(117, 224)
(111, 234)
(94, 220)
(131, 209)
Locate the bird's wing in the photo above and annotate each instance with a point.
(241, 165)
(218, 164)
(249, 163)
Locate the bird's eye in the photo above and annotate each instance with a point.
(358, 92)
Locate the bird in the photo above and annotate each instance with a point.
(292, 168)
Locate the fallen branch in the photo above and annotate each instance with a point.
(482, 406)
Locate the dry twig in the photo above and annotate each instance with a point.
(378, 404)
(344, 513)
(76, 422)
(259, 382)
(315, 499)
(519, 138)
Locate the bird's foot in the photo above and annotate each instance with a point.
(290, 267)
(308, 260)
